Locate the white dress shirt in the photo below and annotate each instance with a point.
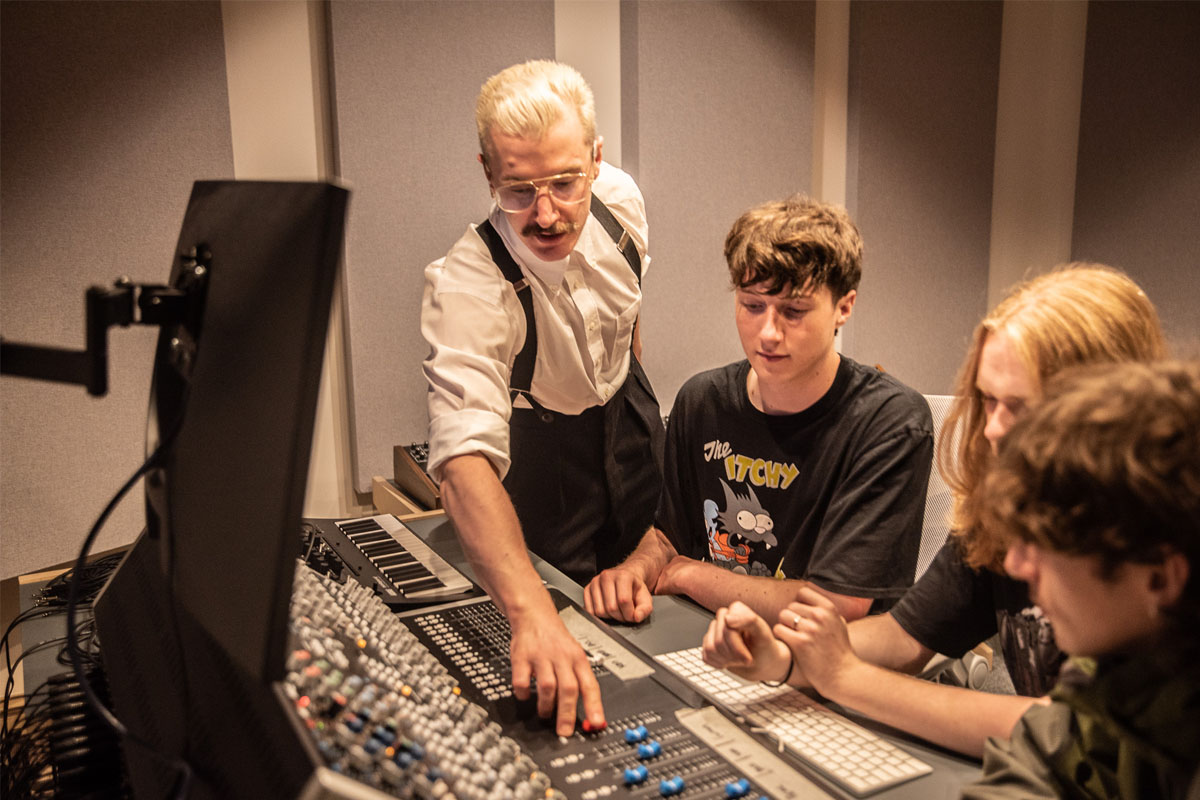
(585, 305)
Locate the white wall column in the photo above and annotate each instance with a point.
(277, 68)
(831, 81)
(587, 35)
(1037, 139)
(831, 74)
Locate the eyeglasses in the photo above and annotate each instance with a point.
(569, 188)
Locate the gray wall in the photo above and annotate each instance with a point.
(1137, 190)
(405, 79)
(923, 86)
(111, 110)
(723, 120)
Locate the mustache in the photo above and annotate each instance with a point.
(560, 227)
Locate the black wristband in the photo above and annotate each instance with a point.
(786, 678)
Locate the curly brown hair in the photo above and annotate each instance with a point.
(798, 245)
(1076, 314)
(1107, 465)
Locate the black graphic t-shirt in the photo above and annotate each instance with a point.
(953, 608)
(834, 494)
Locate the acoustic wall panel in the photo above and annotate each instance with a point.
(1137, 188)
(923, 88)
(111, 110)
(406, 75)
(717, 117)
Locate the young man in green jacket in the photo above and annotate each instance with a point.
(1098, 490)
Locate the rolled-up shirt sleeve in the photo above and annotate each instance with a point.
(474, 326)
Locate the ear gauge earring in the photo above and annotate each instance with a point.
(1157, 584)
(1158, 581)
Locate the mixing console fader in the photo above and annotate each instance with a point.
(419, 705)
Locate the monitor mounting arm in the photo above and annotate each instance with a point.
(124, 304)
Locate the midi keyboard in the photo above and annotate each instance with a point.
(385, 555)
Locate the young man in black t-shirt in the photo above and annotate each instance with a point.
(796, 463)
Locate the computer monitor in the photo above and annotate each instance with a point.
(193, 624)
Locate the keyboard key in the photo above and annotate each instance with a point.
(850, 755)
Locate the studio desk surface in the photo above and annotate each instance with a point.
(677, 623)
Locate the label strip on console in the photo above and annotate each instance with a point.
(619, 661)
(778, 780)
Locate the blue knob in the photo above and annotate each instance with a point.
(636, 775)
(670, 787)
(738, 788)
(635, 735)
(649, 749)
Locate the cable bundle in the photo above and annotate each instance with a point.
(54, 745)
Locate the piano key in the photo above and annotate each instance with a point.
(418, 586)
(394, 560)
(373, 536)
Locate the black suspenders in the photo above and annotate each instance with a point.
(522, 373)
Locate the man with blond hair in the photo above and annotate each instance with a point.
(543, 427)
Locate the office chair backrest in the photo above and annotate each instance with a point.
(938, 499)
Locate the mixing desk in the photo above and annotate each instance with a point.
(419, 704)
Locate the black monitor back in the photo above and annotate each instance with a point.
(193, 625)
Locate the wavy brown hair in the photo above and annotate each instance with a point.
(797, 244)
(1108, 465)
(1076, 314)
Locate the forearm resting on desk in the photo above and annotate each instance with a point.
(623, 592)
(836, 660)
(951, 716)
(844, 664)
(714, 587)
(881, 641)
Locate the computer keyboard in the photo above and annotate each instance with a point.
(849, 755)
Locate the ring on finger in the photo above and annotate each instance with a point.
(796, 621)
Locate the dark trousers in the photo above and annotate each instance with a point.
(586, 486)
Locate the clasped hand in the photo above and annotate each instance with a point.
(809, 631)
